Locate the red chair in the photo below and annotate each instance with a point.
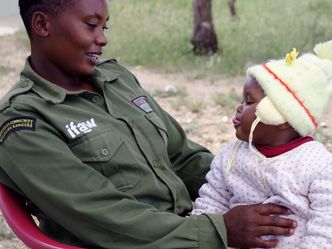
(20, 221)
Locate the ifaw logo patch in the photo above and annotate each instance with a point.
(75, 129)
(16, 124)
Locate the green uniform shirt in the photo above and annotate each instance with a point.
(112, 169)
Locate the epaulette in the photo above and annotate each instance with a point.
(22, 86)
(107, 60)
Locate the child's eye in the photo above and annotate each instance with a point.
(105, 27)
(249, 101)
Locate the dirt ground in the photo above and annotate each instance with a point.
(193, 102)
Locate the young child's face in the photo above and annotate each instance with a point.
(76, 37)
(245, 115)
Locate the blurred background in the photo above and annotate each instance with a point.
(9, 17)
(158, 33)
(190, 54)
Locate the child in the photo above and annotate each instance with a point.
(274, 160)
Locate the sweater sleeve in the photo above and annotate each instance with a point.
(214, 195)
(319, 225)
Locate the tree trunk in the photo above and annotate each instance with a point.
(204, 38)
(232, 8)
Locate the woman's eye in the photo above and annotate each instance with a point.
(92, 25)
(105, 27)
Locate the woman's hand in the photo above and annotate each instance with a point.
(247, 223)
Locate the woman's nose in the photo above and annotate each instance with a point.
(101, 39)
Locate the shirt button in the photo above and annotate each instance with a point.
(95, 99)
(155, 165)
(24, 84)
(104, 152)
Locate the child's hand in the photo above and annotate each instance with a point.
(246, 224)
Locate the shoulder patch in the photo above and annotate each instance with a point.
(142, 103)
(16, 124)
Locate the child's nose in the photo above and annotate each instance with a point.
(239, 108)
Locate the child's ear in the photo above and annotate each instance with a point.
(284, 126)
(40, 23)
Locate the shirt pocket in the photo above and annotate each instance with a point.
(110, 155)
(158, 123)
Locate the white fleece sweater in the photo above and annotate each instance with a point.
(300, 179)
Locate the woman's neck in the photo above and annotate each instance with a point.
(53, 74)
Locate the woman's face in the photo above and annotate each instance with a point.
(245, 116)
(76, 37)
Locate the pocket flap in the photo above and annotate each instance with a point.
(100, 147)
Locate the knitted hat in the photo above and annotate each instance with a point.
(297, 90)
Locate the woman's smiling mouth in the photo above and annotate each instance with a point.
(93, 58)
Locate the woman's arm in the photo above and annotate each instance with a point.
(86, 203)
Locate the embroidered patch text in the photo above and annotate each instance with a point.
(16, 124)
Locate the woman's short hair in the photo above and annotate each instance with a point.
(28, 7)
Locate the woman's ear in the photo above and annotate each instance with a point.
(40, 24)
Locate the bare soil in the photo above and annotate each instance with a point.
(192, 104)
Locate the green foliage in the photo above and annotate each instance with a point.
(157, 33)
(229, 101)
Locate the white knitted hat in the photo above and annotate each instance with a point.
(297, 90)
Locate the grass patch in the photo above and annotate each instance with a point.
(229, 101)
(194, 106)
(157, 33)
(170, 91)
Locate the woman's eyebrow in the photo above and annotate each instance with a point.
(98, 16)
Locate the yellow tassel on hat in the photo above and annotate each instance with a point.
(290, 57)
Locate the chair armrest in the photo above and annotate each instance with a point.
(20, 221)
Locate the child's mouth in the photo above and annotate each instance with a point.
(236, 122)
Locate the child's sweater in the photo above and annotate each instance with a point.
(300, 179)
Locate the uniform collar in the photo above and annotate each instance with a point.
(53, 93)
(105, 75)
